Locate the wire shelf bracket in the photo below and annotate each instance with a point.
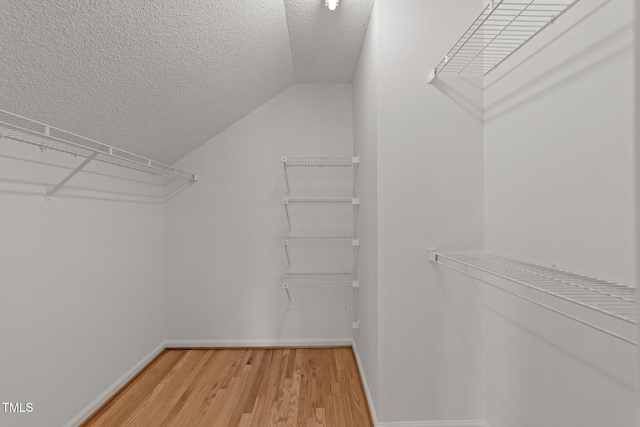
(610, 299)
(23, 129)
(501, 29)
(50, 193)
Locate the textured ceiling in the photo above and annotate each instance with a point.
(326, 45)
(159, 78)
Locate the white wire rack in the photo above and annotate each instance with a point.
(344, 286)
(321, 255)
(320, 177)
(321, 209)
(613, 300)
(321, 241)
(18, 128)
(320, 311)
(320, 161)
(332, 217)
(502, 28)
(353, 201)
(321, 280)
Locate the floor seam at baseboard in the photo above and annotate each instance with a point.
(442, 423)
(257, 343)
(363, 377)
(107, 394)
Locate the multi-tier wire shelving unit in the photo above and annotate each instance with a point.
(501, 29)
(604, 305)
(320, 245)
(46, 137)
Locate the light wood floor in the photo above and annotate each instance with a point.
(242, 387)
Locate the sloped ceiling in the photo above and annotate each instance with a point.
(326, 45)
(159, 78)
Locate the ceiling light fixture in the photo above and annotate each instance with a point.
(331, 4)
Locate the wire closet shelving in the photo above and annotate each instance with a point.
(321, 216)
(317, 178)
(327, 280)
(22, 129)
(501, 29)
(321, 245)
(605, 298)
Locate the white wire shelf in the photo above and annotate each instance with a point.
(322, 241)
(317, 256)
(344, 286)
(320, 280)
(320, 246)
(327, 217)
(502, 28)
(611, 299)
(316, 178)
(320, 161)
(47, 137)
(309, 200)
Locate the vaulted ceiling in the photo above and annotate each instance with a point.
(159, 78)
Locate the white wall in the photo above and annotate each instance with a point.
(81, 281)
(559, 189)
(636, 157)
(365, 141)
(430, 194)
(224, 258)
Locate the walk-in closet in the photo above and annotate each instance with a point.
(336, 213)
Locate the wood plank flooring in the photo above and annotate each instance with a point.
(262, 387)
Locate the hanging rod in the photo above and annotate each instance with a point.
(501, 29)
(612, 299)
(19, 128)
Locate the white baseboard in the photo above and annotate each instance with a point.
(258, 343)
(98, 401)
(374, 415)
(367, 392)
(463, 423)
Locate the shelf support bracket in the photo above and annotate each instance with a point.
(285, 202)
(55, 189)
(286, 288)
(285, 243)
(431, 76)
(286, 175)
